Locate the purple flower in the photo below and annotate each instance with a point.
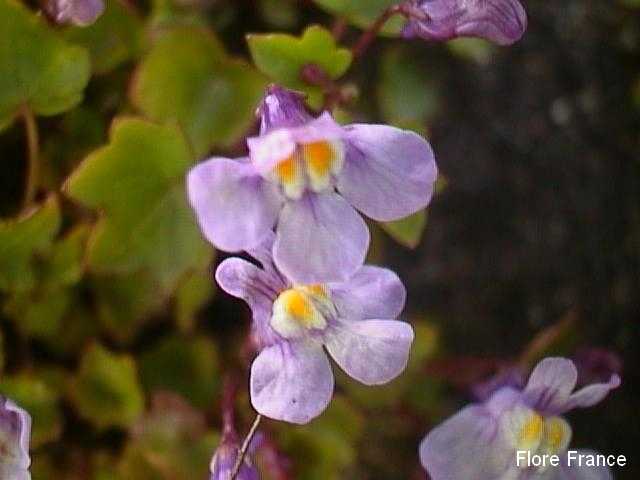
(291, 378)
(500, 21)
(290, 179)
(15, 431)
(224, 459)
(77, 12)
(480, 442)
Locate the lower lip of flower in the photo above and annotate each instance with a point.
(311, 165)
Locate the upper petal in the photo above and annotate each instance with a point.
(267, 150)
(591, 394)
(389, 173)
(235, 207)
(244, 280)
(291, 381)
(371, 351)
(466, 446)
(550, 384)
(372, 292)
(320, 238)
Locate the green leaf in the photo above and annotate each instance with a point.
(188, 80)
(194, 376)
(113, 39)
(407, 231)
(40, 400)
(106, 390)
(65, 265)
(39, 313)
(21, 240)
(407, 94)
(364, 13)
(282, 56)
(37, 67)
(137, 182)
(124, 302)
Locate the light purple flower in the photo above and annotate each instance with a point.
(289, 182)
(15, 432)
(480, 442)
(291, 378)
(77, 12)
(500, 21)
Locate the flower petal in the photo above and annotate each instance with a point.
(244, 280)
(550, 384)
(500, 21)
(372, 292)
(257, 287)
(389, 173)
(235, 207)
(15, 433)
(371, 351)
(466, 445)
(291, 382)
(320, 238)
(591, 394)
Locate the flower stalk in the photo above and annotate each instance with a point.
(245, 446)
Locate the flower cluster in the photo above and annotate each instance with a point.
(15, 432)
(291, 206)
(482, 440)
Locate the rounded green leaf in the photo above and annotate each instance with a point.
(188, 80)
(282, 56)
(21, 240)
(106, 390)
(37, 67)
(137, 183)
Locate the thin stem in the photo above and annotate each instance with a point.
(338, 28)
(245, 446)
(33, 164)
(363, 43)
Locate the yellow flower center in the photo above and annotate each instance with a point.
(311, 165)
(530, 431)
(301, 309)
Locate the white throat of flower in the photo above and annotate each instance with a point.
(311, 165)
(527, 430)
(301, 310)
